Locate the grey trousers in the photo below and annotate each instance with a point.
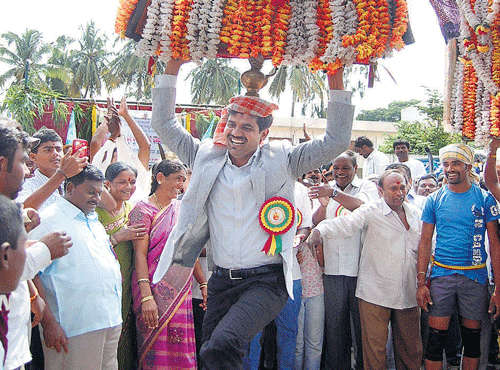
(340, 305)
(236, 311)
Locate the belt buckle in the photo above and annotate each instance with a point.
(231, 275)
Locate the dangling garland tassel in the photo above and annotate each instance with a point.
(276, 217)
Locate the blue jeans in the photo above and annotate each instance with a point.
(287, 327)
(310, 333)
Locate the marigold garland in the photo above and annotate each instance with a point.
(125, 10)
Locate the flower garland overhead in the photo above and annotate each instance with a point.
(326, 34)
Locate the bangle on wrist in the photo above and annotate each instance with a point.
(203, 285)
(147, 298)
(143, 281)
(421, 272)
(62, 173)
(34, 297)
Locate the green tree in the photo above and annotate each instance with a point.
(215, 81)
(89, 60)
(129, 70)
(306, 86)
(60, 77)
(433, 107)
(23, 54)
(390, 114)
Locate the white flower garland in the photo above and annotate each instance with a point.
(167, 8)
(296, 34)
(194, 27)
(150, 35)
(215, 25)
(457, 116)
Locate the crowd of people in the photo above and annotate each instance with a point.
(244, 253)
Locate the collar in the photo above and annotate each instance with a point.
(372, 154)
(355, 183)
(73, 211)
(250, 160)
(386, 210)
(40, 175)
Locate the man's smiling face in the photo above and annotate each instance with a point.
(242, 137)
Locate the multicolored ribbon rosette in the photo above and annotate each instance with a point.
(276, 217)
(299, 218)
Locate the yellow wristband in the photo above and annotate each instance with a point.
(147, 298)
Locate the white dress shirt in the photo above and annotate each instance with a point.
(375, 163)
(18, 352)
(34, 183)
(416, 167)
(302, 204)
(341, 253)
(388, 263)
(84, 288)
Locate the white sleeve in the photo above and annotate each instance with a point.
(37, 259)
(346, 225)
(165, 81)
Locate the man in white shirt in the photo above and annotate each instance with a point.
(341, 257)
(386, 279)
(401, 149)
(53, 167)
(236, 176)
(411, 196)
(375, 161)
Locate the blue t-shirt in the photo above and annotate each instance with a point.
(460, 220)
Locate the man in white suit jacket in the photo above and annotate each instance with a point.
(222, 204)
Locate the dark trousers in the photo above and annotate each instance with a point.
(236, 311)
(340, 305)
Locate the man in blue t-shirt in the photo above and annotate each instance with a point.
(460, 212)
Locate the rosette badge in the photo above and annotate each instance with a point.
(276, 217)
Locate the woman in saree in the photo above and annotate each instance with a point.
(113, 213)
(165, 331)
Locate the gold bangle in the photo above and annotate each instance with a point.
(147, 298)
(113, 240)
(143, 281)
(203, 285)
(421, 272)
(34, 297)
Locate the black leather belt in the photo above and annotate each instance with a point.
(235, 274)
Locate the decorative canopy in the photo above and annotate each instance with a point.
(325, 34)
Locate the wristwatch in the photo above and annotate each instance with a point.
(335, 192)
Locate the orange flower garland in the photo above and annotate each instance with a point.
(400, 25)
(469, 100)
(125, 10)
(325, 24)
(178, 42)
(495, 71)
(280, 27)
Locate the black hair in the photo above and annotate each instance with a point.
(386, 174)
(401, 142)
(11, 135)
(262, 122)
(349, 154)
(11, 222)
(89, 173)
(428, 176)
(166, 167)
(114, 169)
(400, 167)
(361, 141)
(45, 134)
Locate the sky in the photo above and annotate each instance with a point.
(420, 64)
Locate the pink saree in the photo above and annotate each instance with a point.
(172, 344)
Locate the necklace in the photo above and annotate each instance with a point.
(120, 211)
(157, 202)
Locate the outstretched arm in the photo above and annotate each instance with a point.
(424, 255)
(139, 135)
(172, 134)
(490, 171)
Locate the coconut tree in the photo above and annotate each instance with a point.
(305, 86)
(215, 81)
(89, 60)
(59, 73)
(23, 54)
(131, 71)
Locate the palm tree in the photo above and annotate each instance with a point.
(213, 82)
(23, 54)
(130, 70)
(60, 75)
(88, 63)
(305, 85)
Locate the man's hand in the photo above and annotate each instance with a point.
(113, 119)
(54, 336)
(320, 191)
(133, 232)
(336, 81)
(424, 297)
(314, 241)
(173, 66)
(38, 308)
(72, 165)
(494, 145)
(33, 217)
(58, 243)
(123, 111)
(494, 305)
